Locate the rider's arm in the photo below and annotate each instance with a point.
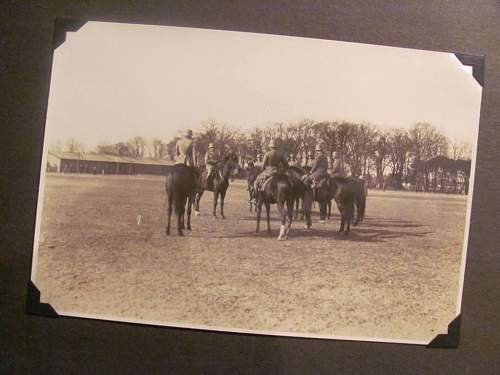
(314, 166)
(266, 161)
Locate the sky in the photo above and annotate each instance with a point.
(113, 81)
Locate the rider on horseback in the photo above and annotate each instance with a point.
(336, 166)
(185, 150)
(211, 160)
(273, 163)
(319, 169)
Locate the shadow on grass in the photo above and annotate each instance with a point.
(356, 235)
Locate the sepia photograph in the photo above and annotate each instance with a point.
(256, 183)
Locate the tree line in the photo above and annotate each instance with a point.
(420, 158)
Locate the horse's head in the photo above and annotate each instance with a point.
(230, 162)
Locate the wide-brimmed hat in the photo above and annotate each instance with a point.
(319, 147)
(188, 133)
(272, 144)
(211, 145)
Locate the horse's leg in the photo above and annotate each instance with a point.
(169, 214)
(349, 217)
(342, 217)
(284, 214)
(190, 203)
(222, 197)
(322, 211)
(297, 203)
(216, 196)
(180, 217)
(268, 217)
(290, 218)
(329, 204)
(303, 212)
(306, 210)
(197, 203)
(259, 211)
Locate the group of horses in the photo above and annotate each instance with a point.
(291, 188)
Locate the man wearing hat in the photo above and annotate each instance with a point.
(319, 169)
(185, 149)
(336, 166)
(211, 160)
(186, 154)
(274, 160)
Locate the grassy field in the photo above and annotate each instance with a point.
(394, 277)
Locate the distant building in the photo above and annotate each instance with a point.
(69, 162)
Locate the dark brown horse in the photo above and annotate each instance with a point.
(336, 188)
(219, 184)
(360, 190)
(252, 174)
(180, 187)
(277, 190)
(302, 192)
(345, 197)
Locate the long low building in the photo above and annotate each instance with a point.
(70, 162)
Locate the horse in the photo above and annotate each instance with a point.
(336, 188)
(252, 174)
(279, 190)
(345, 197)
(220, 183)
(302, 192)
(360, 190)
(180, 188)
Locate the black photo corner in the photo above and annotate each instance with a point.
(74, 345)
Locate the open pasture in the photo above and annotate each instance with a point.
(103, 251)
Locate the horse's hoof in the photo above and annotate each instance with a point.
(167, 231)
(223, 217)
(189, 227)
(214, 217)
(197, 213)
(180, 233)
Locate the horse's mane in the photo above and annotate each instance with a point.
(341, 179)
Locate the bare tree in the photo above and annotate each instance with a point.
(399, 149)
(159, 148)
(137, 145)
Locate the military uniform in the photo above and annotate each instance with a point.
(274, 160)
(211, 160)
(185, 151)
(319, 168)
(336, 168)
(186, 154)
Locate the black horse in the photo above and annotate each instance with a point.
(180, 187)
(302, 192)
(277, 190)
(252, 174)
(336, 188)
(360, 190)
(219, 184)
(345, 197)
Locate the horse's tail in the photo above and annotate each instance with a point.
(173, 198)
(361, 202)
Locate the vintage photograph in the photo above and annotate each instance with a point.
(256, 183)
